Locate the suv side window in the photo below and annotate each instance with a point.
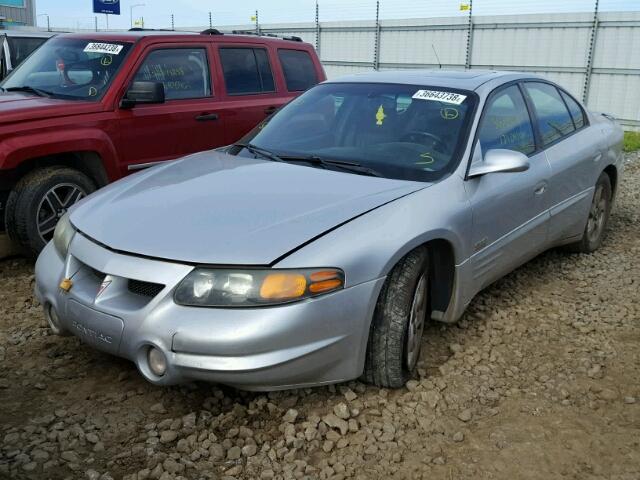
(299, 70)
(554, 120)
(184, 72)
(246, 70)
(577, 114)
(506, 123)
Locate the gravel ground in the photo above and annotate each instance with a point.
(540, 379)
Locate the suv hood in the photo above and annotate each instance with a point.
(20, 107)
(213, 208)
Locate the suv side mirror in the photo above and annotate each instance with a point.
(500, 160)
(143, 93)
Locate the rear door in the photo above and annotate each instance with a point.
(573, 150)
(510, 210)
(188, 121)
(251, 88)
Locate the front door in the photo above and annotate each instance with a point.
(187, 122)
(510, 210)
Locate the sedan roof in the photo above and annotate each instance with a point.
(462, 79)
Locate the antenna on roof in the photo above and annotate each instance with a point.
(437, 58)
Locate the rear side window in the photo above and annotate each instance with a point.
(506, 123)
(184, 72)
(577, 114)
(299, 70)
(246, 71)
(21, 48)
(554, 120)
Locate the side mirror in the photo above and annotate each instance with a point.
(143, 93)
(500, 160)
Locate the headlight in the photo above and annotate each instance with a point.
(205, 287)
(63, 234)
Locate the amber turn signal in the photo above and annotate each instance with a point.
(324, 281)
(283, 286)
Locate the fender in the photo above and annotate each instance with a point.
(17, 149)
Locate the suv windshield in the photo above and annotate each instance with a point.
(69, 68)
(397, 131)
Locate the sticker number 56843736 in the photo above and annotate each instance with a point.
(439, 96)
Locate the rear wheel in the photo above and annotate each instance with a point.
(395, 338)
(598, 218)
(37, 202)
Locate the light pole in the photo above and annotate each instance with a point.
(48, 23)
(131, 10)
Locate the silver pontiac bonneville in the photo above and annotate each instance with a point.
(314, 250)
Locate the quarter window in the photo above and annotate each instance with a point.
(575, 110)
(184, 72)
(246, 71)
(299, 70)
(553, 117)
(506, 123)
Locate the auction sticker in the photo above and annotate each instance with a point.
(438, 96)
(110, 48)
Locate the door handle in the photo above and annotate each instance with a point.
(270, 110)
(540, 189)
(207, 117)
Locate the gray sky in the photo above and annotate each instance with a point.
(157, 13)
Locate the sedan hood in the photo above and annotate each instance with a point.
(213, 208)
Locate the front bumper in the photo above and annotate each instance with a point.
(312, 342)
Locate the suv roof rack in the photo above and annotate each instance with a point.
(141, 29)
(291, 38)
(211, 31)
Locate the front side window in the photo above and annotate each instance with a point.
(299, 70)
(506, 123)
(408, 132)
(246, 71)
(69, 68)
(21, 47)
(553, 117)
(577, 114)
(184, 72)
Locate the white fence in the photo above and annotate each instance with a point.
(595, 56)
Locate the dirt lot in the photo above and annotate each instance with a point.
(541, 379)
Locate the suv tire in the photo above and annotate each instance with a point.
(38, 200)
(398, 322)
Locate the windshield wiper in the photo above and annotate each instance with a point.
(354, 167)
(29, 89)
(263, 152)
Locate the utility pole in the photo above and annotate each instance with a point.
(96, 22)
(210, 21)
(257, 24)
(106, 17)
(592, 48)
(376, 48)
(317, 28)
(173, 26)
(467, 63)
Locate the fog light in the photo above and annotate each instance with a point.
(157, 361)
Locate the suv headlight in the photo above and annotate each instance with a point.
(205, 287)
(63, 234)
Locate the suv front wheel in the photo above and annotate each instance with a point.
(37, 202)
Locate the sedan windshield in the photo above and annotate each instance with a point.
(396, 131)
(69, 68)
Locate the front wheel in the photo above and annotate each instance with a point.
(37, 202)
(398, 322)
(598, 218)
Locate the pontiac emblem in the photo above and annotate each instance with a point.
(104, 285)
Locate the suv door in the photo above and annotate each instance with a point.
(187, 122)
(251, 89)
(573, 149)
(510, 210)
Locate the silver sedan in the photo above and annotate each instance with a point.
(315, 249)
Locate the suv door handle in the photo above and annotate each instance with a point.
(540, 189)
(270, 110)
(207, 117)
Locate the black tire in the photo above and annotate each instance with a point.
(591, 240)
(386, 363)
(27, 202)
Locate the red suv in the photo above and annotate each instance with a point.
(84, 110)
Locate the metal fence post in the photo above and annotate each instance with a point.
(172, 23)
(210, 21)
(592, 48)
(95, 21)
(376, 47)
(317, 29)
(467, 62)
(257, 24)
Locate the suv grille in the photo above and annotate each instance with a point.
(144, 289)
